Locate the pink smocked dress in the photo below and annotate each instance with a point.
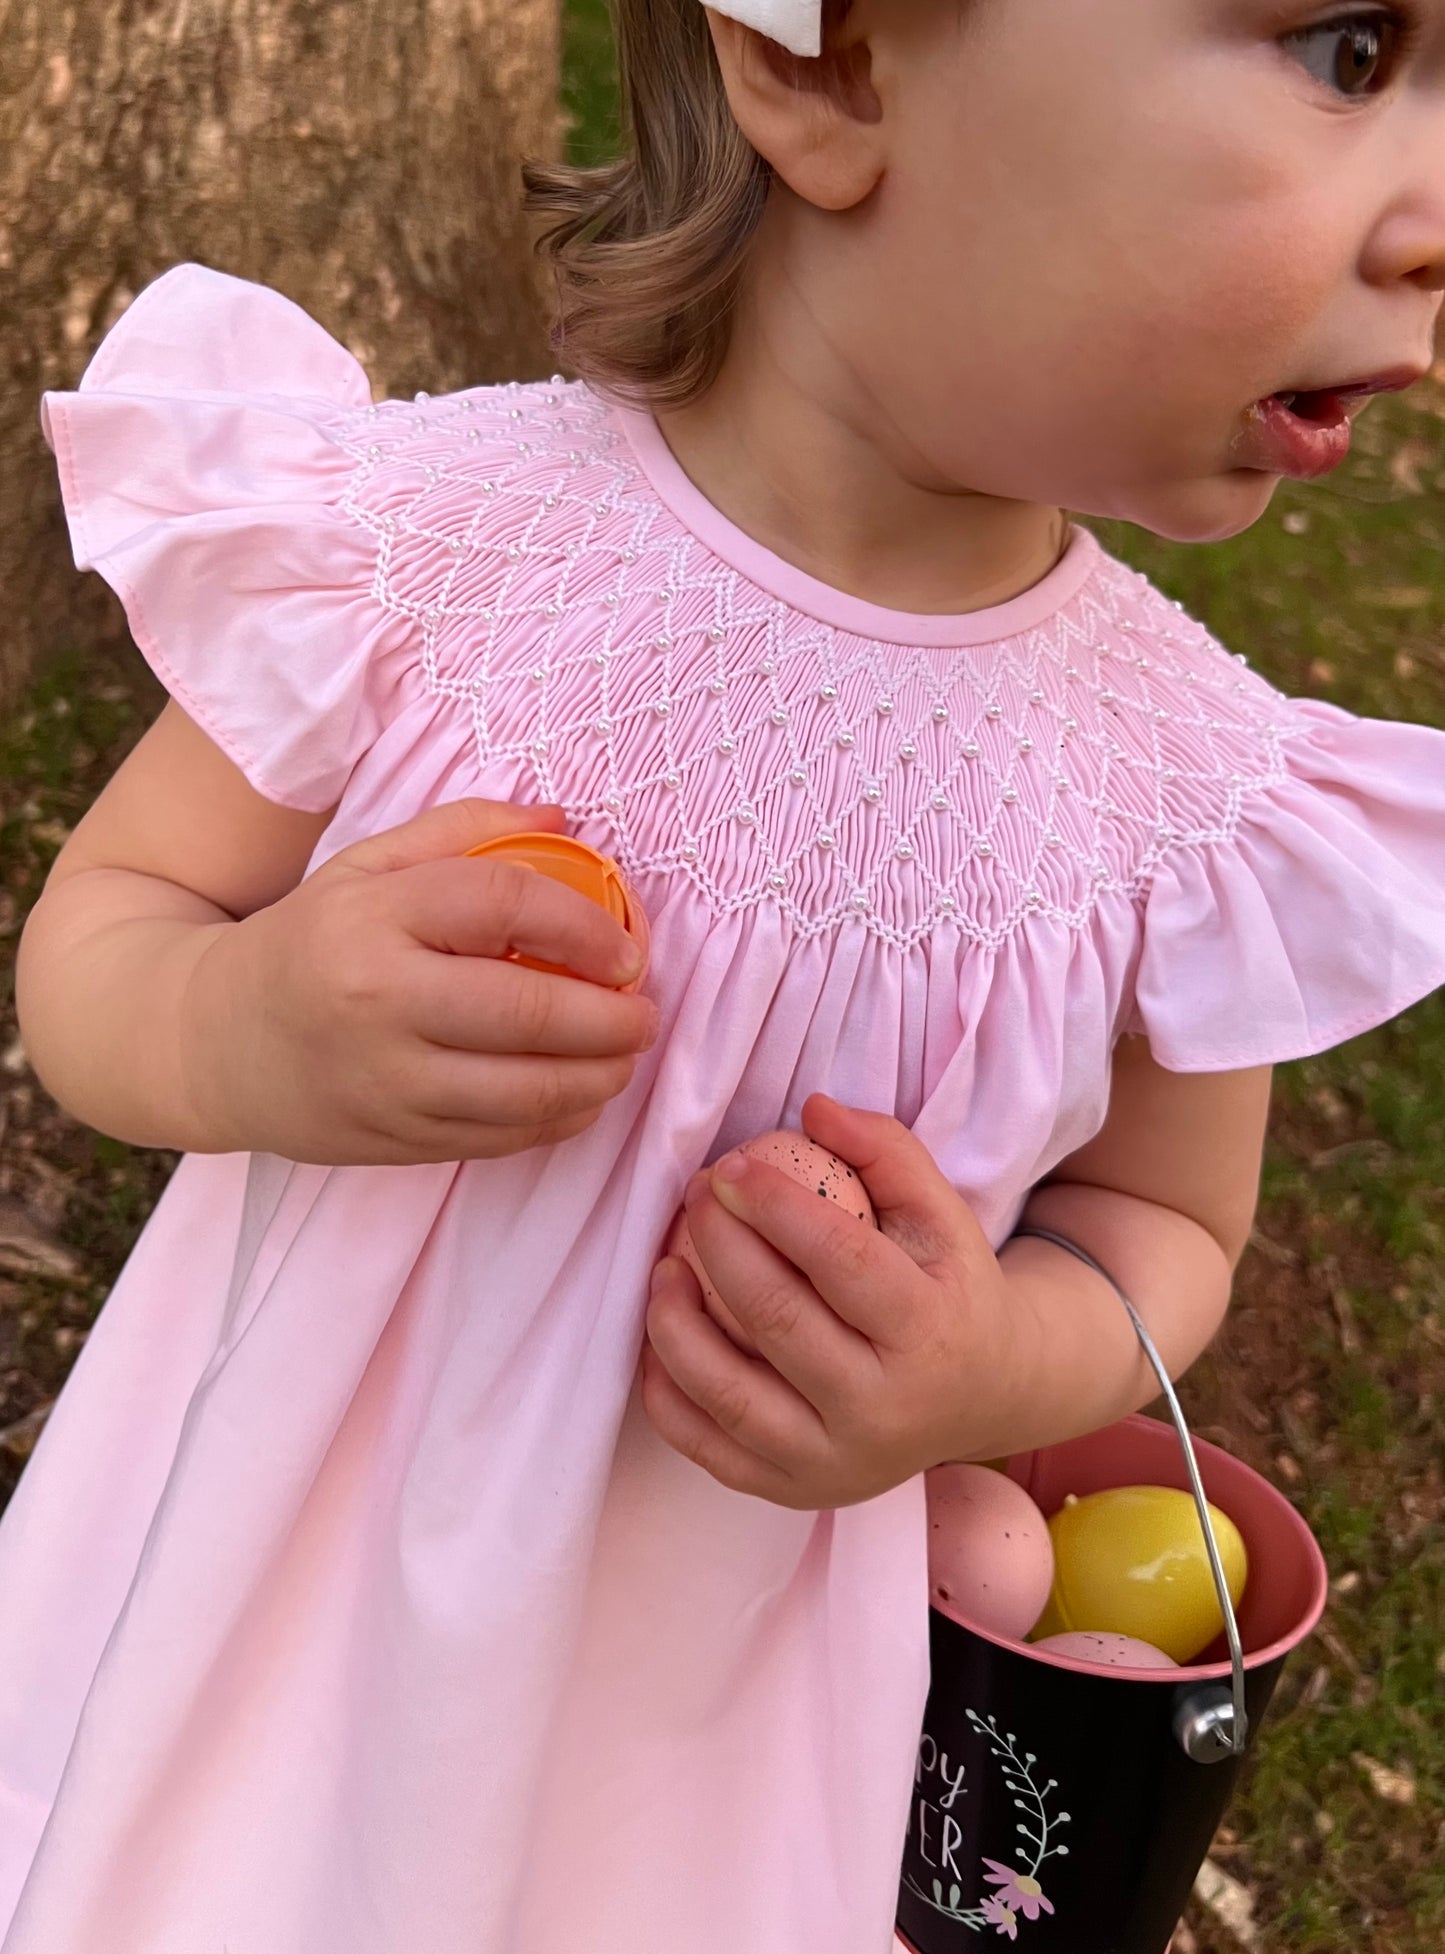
(350, 1604)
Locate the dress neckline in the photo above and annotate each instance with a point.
(810, 595)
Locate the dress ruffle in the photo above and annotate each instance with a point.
(202, 477)
(1322, 916)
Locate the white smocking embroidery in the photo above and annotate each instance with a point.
(712, 730)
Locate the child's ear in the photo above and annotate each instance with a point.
(816, 119)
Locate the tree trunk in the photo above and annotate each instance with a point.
(362, 157)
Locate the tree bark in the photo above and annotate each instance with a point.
(361, 157)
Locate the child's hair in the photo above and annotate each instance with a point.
(647, 251)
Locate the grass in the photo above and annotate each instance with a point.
(589, 74)
(1330, 1374)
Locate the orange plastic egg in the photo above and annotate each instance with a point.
(582, 868)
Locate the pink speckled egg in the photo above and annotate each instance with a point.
(990, 1558)
(815, 1167)
(1108, 1651)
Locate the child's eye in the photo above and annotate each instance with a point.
(1357, 50)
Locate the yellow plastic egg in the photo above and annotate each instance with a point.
(1132, 1561)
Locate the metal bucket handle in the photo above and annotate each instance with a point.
(1209, 1728)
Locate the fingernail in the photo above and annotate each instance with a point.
(732, 1167)
(662, 1274)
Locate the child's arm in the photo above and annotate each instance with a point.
(184, 983)
(177, 847)
(1163, 1197)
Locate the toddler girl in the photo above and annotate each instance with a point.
(392, 1574)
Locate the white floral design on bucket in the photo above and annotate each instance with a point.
(1017, 1889)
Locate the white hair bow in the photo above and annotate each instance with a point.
(796, 24)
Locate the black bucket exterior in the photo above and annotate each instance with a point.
(1078, 1785)
(1057, 1803)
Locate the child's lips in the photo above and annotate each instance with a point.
(1306, 432)
(1302, 441)
(1393, 381)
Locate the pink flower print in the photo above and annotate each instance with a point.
(1000, 1916)
(1019, 1891)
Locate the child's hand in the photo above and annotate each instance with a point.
(880, 1348)
(369, 1018)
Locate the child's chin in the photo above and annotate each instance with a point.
(1208, 510)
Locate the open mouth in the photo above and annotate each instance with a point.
(1322, 408)
(1324, 405)
(1296, 434)
(1306, 432)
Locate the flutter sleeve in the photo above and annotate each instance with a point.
(204, 471)
(1322, 916)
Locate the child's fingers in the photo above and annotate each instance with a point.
(855, 1268)
(690, 1431)
(801, 1337)
(744, 1396)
